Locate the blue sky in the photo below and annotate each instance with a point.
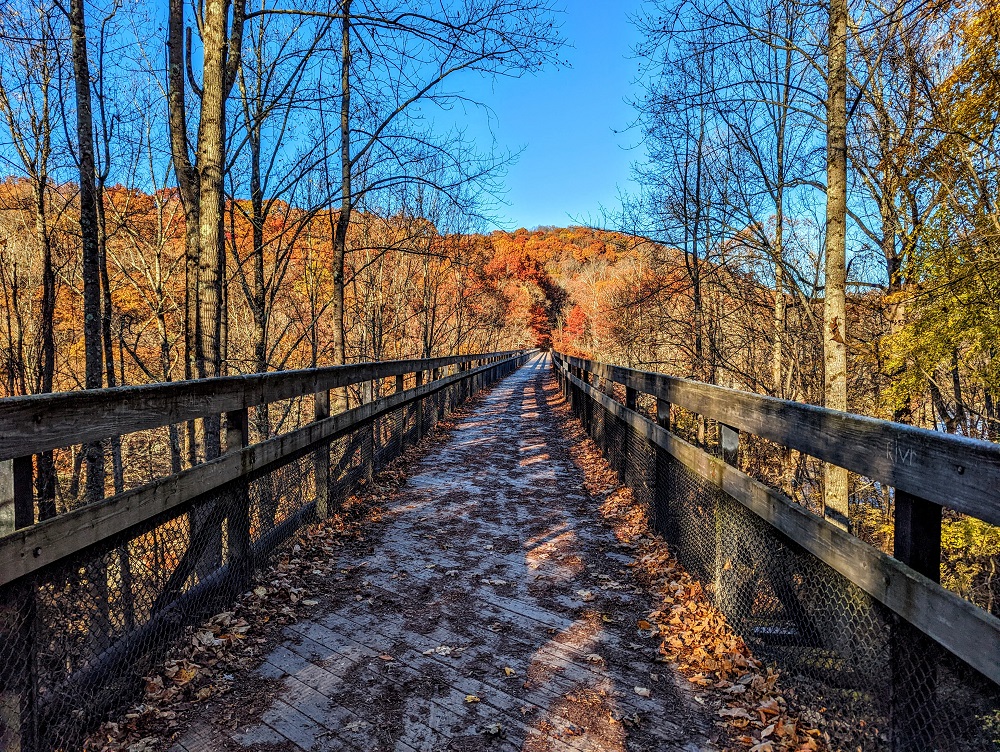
(573, 162)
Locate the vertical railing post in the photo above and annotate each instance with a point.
(420, 408)
(435, 375)
(662, 491)
(645, 471)
(7, 525)
(237, 429)
(601, 421)
(321, 458)
(18, 677)
(662, 413)
(368, 435)
(24, 495)
(916, 543)
(238, 518)
(400, 380)
(729, 438)
(586, 401)
(631, 398)
(574, 398)
(733, 564)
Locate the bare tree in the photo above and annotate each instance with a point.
(201, 179)
(393, 61)
(89, 235)
(30, 78)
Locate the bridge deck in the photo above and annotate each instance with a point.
(495, 610)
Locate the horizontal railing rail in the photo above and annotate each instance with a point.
(929, 471)
(45, 543)
(37, 423)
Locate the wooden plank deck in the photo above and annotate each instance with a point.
(495, 611)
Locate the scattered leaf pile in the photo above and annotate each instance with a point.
(745, 695)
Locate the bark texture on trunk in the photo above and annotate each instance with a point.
(89, 236)
(187, 185)
(211, 170)
(339, 396)
(201, 186)
(835, 305)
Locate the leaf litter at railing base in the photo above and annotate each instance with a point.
(695, 637)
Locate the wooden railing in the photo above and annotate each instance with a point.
(36, 424)
(928, 470)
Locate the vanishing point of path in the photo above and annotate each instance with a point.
(495, 611)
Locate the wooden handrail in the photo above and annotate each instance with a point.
(40, 545)
(37, 423)
(960, 626)
(953, 471)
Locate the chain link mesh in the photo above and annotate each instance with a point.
(77, 639)
(872, 681)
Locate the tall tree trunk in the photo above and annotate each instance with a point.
(173, 433)
(258, 293)
(92, 330)
(835, 305)
(896, 313)
(191, 322)
(45, 480)
(202, 192)
(777, 348)
(188, 188)
(961, 417)
(211, 169)
(777, 354)
(117, 470)
(93, 335)
(346, 205)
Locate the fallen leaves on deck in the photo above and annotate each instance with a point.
(203, 664)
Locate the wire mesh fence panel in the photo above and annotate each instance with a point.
(78, 637)
(880, 682)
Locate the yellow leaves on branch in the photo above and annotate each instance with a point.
(973, 87)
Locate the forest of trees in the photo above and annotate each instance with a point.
(232, 187)
(214, 188)
(736, 119)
